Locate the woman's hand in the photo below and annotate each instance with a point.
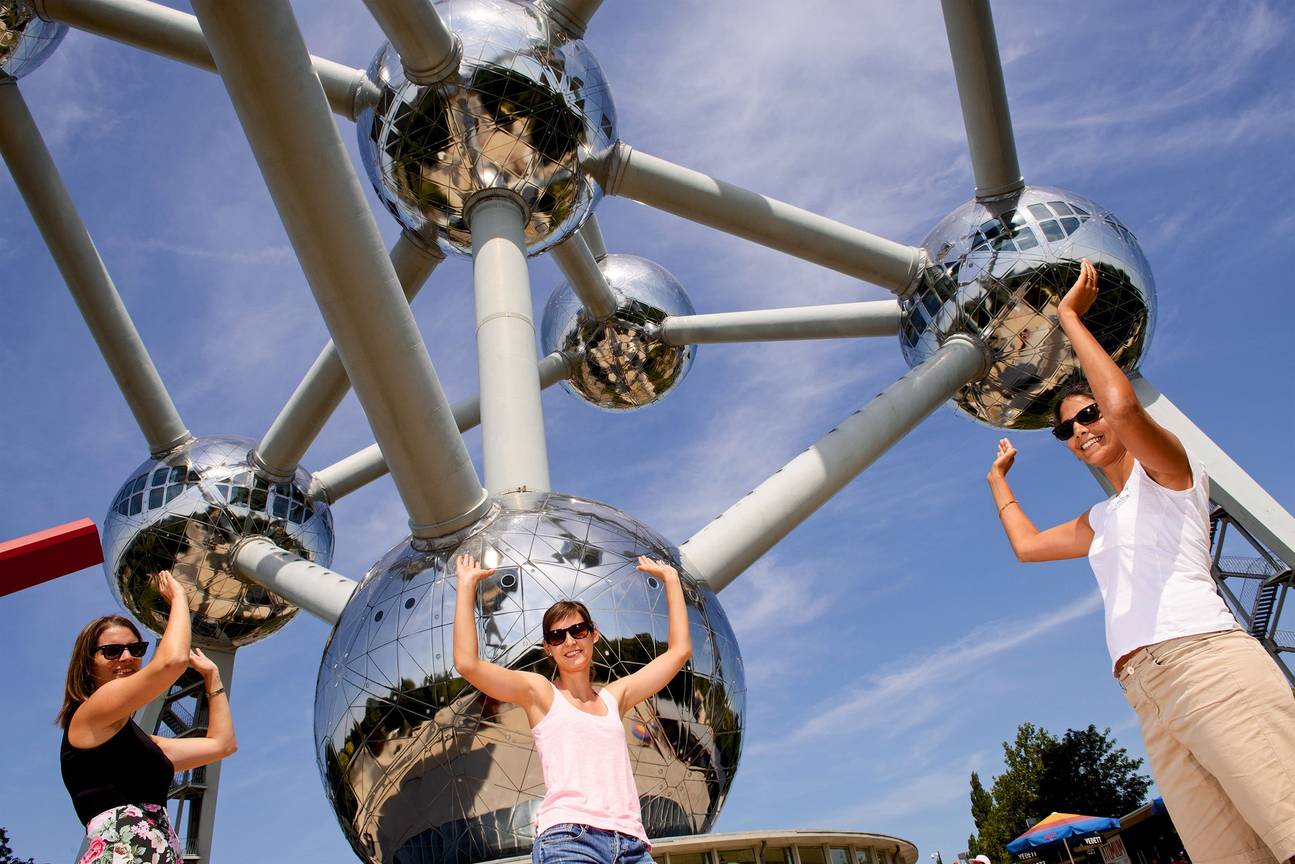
(170, 588)
(659, 569)
(1003, 461)
(202, 664)
(469, 572)
(1081, 296)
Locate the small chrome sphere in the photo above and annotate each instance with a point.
(25, 38)
(626, 364)
(998, 269)
(527, 102)
(184, 513)
(421, 766)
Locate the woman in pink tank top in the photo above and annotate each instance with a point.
(590, 812)
(1217, 714)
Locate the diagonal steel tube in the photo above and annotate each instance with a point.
(835, 321)
(580, 267)
(262, 59)
(513, 447)
(630, 173)
(41, 186)
(734, 541)
(593, 237)
(428, 50)
(326, 384)
(161, 30)
(316, 589)
(572, 15)
(363, 467)
(985, 112)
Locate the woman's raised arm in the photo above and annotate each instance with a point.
(648, 681)
(497, 682)
(1067, 540)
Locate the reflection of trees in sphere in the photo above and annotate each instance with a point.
(998, 269)
(420, 766)
(184, 513)
(625, 363)
(25, 39)
(527, 101)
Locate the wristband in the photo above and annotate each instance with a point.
(1005, 506)
(214, 693)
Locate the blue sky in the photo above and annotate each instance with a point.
(892, 642)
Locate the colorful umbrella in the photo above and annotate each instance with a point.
(1060, 827)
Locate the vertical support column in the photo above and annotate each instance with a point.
(262, 58)
(979, 73)
(51, 206)
(736, 539)
(206, 803)
(512, 420)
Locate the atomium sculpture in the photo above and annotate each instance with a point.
(487, 128)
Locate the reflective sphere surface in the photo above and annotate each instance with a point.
(528, 100)
(25, 39)
(184, 513)
(626, 365)
(998, 269)
(421, 767)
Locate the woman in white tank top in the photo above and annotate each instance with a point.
(590, 812)
(1217, 714)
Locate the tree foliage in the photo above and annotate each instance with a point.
(1084, 772)
(6, 853)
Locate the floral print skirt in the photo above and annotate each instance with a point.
(133, 834)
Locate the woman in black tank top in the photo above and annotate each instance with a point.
(117, 775)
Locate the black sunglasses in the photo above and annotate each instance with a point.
(113, 651)
(1088, 414)
(558, 635)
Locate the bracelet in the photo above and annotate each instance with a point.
(1005, 506)
(214, 693)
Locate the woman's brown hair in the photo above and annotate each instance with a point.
(1077, 388)
(80, 670)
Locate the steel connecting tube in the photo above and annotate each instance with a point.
(572, 15)
(318, 590)
(513, 447)
(629, 173)
(737, 538)
(42, 188)
(428, 51)
(835, 321)
(581, 268)
(262, 58)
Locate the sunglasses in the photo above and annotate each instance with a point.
(1086, 415)
(558, 635)
(113, 651)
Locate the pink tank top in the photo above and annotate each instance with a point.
(587, 774)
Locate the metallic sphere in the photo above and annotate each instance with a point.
(25, 39)
(528, 101)
(420, 766)
(998, 269)
(625, 363)
(184, 513)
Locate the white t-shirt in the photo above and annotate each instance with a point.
(1151, 556)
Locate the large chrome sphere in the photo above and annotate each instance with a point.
(25, 39)
(184, 513)
(625, 364)
(527, 102)
(998, 269)
(420, 766)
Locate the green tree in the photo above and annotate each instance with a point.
(6, 854)
(1084, 771)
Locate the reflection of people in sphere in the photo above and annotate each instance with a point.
(1217, 715)
(117, 775)
(590, 812)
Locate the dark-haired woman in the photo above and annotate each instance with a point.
(1217, 714)
(117, 775)
(590, 812)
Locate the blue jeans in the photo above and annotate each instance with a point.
(569, 843)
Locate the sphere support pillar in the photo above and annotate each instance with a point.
(513, 446)
(315, 589)
(737, 538)
(979, 73)
(572, 15)
(835, 321)
(629, 173)
(428, 50)
(580, 266)
(326, 385)
(321, 203)
(41, 186)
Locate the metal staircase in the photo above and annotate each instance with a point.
(1254, 582)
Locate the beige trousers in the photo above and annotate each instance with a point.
(1218, 719)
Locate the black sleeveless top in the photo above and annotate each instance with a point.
(128, 768)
